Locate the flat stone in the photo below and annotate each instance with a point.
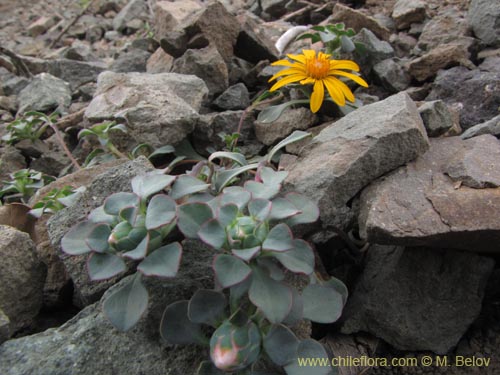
(421, 205)
(488, 127)
(159, 62)
(234, 98)
(375, 50)
(22, 276)
(353, 151)
(134, 60)
(45, 93)
(406, 12)
(483, 17)
(417, 298)
(170, 14)
(436, 117)
(159, 109)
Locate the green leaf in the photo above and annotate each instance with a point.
(272, 297)
(246, 254)
(186, 185)
(271, 177)
(322, 304)
(74, 242)
(230, 270)
(97, 239)
(212, 233)
(236, 195)
(103, 266)
(259, 208)
(309, 210)
(191, 216)
(186, 149)
(296, 313)
(98, 215)
(299, 259)
(207, 307)
(161, 211)
(129, 214)
(140, 251)
(272, 267)
(309, 349)
(339, 286)
(177, 329)
(162, 151)
(280, 238)
(347, 44)
(234, 156)
(151, 183)
(281, 345)
(126, 305)
(259, 190)
(223, 177)
(163, 262)
(273, 112)
(118, 201)
(296, 136)
(282, 208)
(227, 214)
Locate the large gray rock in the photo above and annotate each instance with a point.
(353, 151)
(392, 75)
(45, 93)
(489, 127)
(234, 98)
(135, 9)
(477, 93)
(170, 14)
(483, 17)
(113, 180)
(22, 276)
(89, 345)
(440, 199)
(417, 298)
(134, 60)
(158, 109)
(375, 50)
(4, 327)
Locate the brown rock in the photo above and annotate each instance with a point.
(159, 62)
(406, 12)
(420, 205)
(41, 25)
(170, 14)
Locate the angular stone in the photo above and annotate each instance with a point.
(159, 109)
(133, 10)
(350, 153)
(375, 50)
(14, 85)
(418, 298)
(290, 120)
(358, 20)
(253, 43)
(159, 62)
(86, 344)
(41, 25)
(436, 117)
(235, 97)
(4, 327)
(45, 93)
(11, 160)
(170, 14)
(22, 276)
(489, 127)
(406, 12)
(420, 205)
(483, 17)
(475, 92)
(441, 57)
(275, 8)
(392, 75)
(114, 180)
(207, 64)
(134, 60)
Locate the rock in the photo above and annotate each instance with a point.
(79, 51)
(85, 344)
(374, 52)
(436, 117)
(159, 62)
(4, 327)
(9, 103)
(41, 25)
(491, 64)
(22, 276)
(392, 75)
(413, 298)
(406, 12)
(14, 85)
(235, 97)
(76, 73)
(45, 93)
(358, 20)
(477, 93)
(483, 17)
(159, 109)
(207, 64)
(420, 205)
(111, 181)
(11, 160)
(239, 70)
(290, 120)
(211, 25)
(134, 60)
(489, 127)
(441, 57)
(275, 8)
(170, 14)
(253, 43)
(135, 9)
(353, 151)
(448, 27)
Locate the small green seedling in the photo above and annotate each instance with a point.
(23, 184)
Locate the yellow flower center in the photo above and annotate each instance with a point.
(318, 67)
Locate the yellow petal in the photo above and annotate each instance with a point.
(309, 53)
(345, 90)
(355, 78)
(282, 63)
(334, 91)
(300, 58)
(344, 64)
(286, 72)
(285, 81)
(307, 81)
(317, 96)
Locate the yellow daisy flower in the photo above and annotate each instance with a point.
(319, 70)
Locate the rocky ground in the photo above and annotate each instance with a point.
(408, 185)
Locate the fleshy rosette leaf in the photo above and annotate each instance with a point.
(207, 307)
